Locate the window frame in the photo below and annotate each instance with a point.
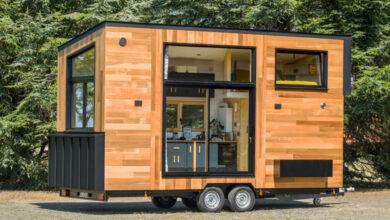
(249, 86)
(69, 89)
(188, 101)
(176, 128)
(324, 70)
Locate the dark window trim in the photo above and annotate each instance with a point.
(250, 86)
(165, 44)
(347, 66)
(324, 70)
(207, 174)
(214, 85)
(82, 78)
(69, 88)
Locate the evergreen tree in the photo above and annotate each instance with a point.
(31, 31)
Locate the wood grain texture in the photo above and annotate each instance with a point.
(133, 141)
(97, 38)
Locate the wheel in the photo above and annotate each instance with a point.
(317, 201)
(190, 202)
(211, 199)
(165, 202)
(241, 199)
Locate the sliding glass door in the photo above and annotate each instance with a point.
(208, 109)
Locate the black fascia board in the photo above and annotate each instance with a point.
(195, 28)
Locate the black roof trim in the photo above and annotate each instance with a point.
(347, 65)
(82, 35)
(196, 28)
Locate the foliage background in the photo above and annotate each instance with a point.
(31, 31)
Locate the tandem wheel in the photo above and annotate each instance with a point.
(241, 199)
(211, 199)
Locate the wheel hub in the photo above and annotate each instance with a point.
(242, 199)
(212, 200)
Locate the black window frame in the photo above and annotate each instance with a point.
(249, 86)
(70, 80)
(324, 70)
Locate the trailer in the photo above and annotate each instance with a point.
(207, 115)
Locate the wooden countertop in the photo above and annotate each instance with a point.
(201, 141)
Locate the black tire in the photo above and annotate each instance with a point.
(241, 199)
(211, 199)
(165, 202)
(190, 202)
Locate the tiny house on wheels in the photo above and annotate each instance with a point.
(207, 115)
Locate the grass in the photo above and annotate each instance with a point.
(11, 195)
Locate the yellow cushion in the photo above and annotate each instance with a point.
(306, 83)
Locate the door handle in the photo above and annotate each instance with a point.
(198, 148)
(174, 158)
(190, 149)
(178, 159)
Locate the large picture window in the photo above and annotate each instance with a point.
(208, 107)
(300, 69)
(81, 85)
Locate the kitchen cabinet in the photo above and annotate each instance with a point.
(200, 157)
(189, 91)
(222, 157)
(178, 158)
(181, 156)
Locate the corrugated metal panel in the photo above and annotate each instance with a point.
(76, 161)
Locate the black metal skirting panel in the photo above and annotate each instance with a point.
(76, 161)
(306, 168)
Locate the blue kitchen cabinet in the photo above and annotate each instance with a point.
(178, 158)
(213, 157)
(181, 156)
(200, 157)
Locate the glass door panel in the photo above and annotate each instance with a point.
(208, 91)
(228, 135)
(186, 120)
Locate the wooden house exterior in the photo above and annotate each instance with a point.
(281, 124)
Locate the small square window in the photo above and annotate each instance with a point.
(300, 69)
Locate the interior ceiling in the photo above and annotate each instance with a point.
(206, 53)
(285, 57)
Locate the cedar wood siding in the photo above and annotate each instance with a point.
(133, 135)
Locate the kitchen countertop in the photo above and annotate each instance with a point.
(199, 141)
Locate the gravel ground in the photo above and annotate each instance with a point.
(48, 205)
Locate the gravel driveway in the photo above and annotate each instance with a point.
(48, 205)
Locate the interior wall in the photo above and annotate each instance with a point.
(203, 66)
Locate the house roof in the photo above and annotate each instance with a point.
(196, 28)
